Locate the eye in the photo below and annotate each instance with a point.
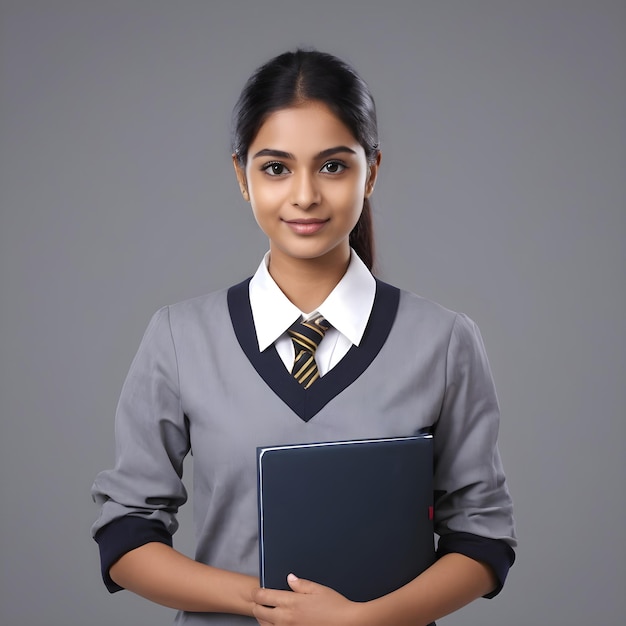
(274, 169)
(333, 167)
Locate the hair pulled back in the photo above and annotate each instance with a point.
(309, 75)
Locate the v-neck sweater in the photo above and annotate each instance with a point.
(199, 384)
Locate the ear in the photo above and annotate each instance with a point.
(372, 176)
(241, 178)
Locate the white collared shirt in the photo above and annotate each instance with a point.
(347, 308)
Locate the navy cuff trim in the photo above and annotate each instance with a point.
(123, 535)
(493, 552)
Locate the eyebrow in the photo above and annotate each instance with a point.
(280, 154)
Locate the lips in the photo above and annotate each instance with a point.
(308, 226)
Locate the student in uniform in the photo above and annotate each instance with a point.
(215, 376)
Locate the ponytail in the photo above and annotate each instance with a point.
(362, 236)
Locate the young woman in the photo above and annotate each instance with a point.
(213, 376)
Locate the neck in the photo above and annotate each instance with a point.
(308, 282)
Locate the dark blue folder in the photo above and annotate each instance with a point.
(353, 515)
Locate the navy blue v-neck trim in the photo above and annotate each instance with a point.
(307, 402)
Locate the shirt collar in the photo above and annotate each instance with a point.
(347, 307)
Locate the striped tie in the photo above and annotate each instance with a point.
(306, 336)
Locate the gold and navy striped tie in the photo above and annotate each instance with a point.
(306, 336)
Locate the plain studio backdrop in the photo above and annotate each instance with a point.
(502, 194)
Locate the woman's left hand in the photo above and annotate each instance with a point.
(310, 604)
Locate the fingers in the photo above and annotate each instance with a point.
(307, 604)
(301, 585)
(271, 598)
(274, 597)
(270, 603)
(266, 603)
(263, 615)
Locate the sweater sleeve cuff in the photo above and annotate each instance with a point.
(495, 553)
(123, 535)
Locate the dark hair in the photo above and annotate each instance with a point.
(310, 75)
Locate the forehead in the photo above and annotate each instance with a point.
(303, 130)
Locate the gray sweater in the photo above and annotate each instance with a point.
(198, 383)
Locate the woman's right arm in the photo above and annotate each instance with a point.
(161, 574)
(141, 495)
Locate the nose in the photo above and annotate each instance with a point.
(305, 192)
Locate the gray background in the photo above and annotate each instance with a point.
(501, 194)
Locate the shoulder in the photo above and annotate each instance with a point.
(417, 309)
(428, 318)
(212, 302)
(199, 304)
(205, 310)
(418, 304)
